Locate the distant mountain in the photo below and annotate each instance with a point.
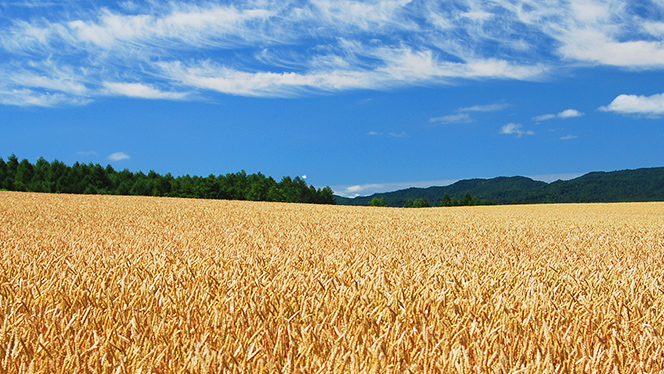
(645, 184)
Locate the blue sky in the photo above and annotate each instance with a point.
(363, 96)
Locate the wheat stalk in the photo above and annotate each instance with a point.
(136, 284)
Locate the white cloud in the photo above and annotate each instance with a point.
(44, 75)
(510, 128)
(118, 156)
(568, 137)
(398, 135)
(462, 115)
(211, 76)
(515, 129)
(288, 48)
(484, 108)
(41, 83)
(655, 29)
(453, 118)
(177, 23)
(139, 90)
(568, 113)
(354, 189)
(597, 47)
(364, 15)
(26, 97)
(650, 106)
(400, 67)
(544, 117)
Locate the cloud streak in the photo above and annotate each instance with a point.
(484, 108)
(139, 90)
(73, 54)
(463, 115)
(565, 114)
(452, 118)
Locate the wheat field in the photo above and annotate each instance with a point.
(109, 284)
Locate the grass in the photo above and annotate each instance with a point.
(114, 284)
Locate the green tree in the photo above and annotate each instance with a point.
(378, 202)
(467, 199)
(164, 184)
(3, 173)
(257, 191)
(257, 187)
(24, 174)
(326, 196)
(141, 187)
(207, 188)
(99, 179)
(93, 179)
(408, 204)
(421, 203)
(12, 166)
(75, 176)
(447, 201)
(275, 194)
(289, 190)
(56, 174)
(124, 188)
(39, 181)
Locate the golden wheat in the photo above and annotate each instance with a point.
(135, 284)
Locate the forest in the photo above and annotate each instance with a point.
(80, 178)
(423, 202)
(644, 184)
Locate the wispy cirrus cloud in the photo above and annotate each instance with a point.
(139, 90)
(462, 114)
(452, 118)
(153, 28)
(70, 52)
(484, 108)
(27, 97)
(400, 67)
(402, 134)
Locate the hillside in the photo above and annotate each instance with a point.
(646, 184)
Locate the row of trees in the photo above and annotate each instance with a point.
(468, 200)
(56, 177)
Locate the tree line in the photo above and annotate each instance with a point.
(468, 200)
(56, 177)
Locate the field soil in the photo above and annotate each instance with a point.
(118, 284)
